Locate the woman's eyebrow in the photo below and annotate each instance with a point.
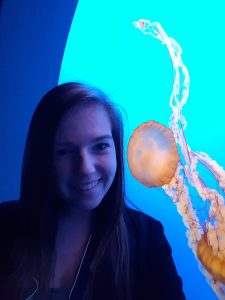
(67, 144)
(95, 139)
(103, 137)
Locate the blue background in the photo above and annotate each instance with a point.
(104, 49)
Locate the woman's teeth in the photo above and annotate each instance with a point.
(89, 185)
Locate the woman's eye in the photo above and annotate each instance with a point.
(101, 146)
(63, 152)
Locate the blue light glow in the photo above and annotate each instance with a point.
(104, 49)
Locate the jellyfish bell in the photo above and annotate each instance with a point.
(214, 264)
(211, 253)
(152, 154)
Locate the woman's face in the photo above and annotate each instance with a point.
(84, 157)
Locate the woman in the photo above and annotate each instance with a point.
(70, 235)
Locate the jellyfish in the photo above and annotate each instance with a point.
(149, 142)
(177, 172)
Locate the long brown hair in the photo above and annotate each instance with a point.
(38, 201)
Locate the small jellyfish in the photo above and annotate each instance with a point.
(213, 263)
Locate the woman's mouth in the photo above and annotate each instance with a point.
(88, 185)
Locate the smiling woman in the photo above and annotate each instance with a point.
(84, 157)
(70, 235)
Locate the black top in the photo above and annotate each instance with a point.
(153, 273)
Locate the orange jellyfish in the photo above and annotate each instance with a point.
(152, 161)
(214, 263)
(152, 154)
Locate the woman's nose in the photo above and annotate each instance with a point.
(86, 163)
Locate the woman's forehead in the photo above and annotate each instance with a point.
(84, 122)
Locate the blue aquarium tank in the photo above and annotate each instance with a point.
(105, 49)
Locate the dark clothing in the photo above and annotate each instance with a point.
(153, 273)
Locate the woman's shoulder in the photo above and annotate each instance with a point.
(156, 276)
(9, 212)
(8, 204)
(145, 230)
(8, 208)
(9, 227)
(138, 218)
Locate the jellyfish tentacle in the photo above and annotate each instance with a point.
(217, 171)
(206, 239)
(178, 191)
